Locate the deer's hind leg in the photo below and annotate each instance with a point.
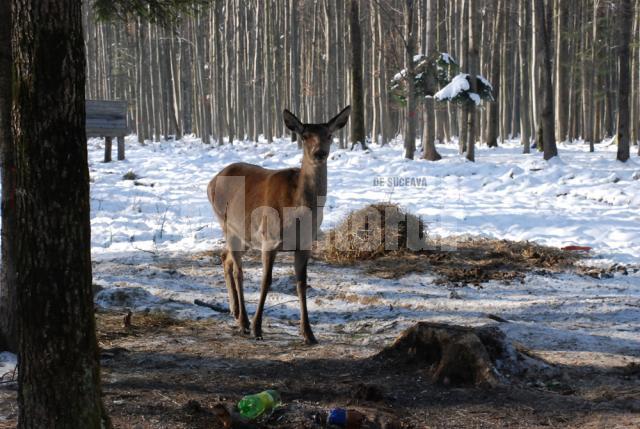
(243, 320)
(268, 257)
(227, 264)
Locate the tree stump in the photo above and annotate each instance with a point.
(455, 355)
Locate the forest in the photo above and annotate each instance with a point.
(181, 77)
(357, 214)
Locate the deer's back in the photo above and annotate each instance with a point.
(241, 188)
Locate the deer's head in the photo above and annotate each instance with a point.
(317, 138)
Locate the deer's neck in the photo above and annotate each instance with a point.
(312, 184)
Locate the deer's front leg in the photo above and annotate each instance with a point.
(268, 257)
(243, 320)
(300, 265)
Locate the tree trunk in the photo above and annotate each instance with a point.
(625, 21)
(220, 103)
(546, 126)
(385, 126)
(59, 377)
(295, 65)
(464, 57)
(494, 108)
(429, 151)
(473, 67)
(525, 108)
(357, 86)
(410, 50)
(562, 83)
(8, 329)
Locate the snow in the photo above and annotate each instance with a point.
(448, 59)
(485, 82)
(578, 198)
(149, 235)
(400, 75)
(8, 363)
(457, 85)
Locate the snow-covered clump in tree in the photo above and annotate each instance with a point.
(440, 71)
(458, 91)
(430, 73)
(447, 59)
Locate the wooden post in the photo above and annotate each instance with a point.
(120, 148)
(107, 149)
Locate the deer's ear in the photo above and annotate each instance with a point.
(292, 122)
(340, 120)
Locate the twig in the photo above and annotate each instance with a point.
(214, 307)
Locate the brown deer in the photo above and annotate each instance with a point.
(274, 210)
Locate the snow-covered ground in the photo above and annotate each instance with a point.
(579, 198)
(146, 233)
(149, 234)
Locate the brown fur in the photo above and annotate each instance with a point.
(245, 197)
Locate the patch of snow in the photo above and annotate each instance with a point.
(447, 58)
(8, 363)
(485, 82)
(457, 85)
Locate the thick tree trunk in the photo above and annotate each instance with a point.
(429, 151)
(625, 22)
(357, 86)
(543, 44)
(8, 330)
(59, 378)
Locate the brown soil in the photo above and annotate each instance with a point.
(165, 373)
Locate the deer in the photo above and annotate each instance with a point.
(273, 211)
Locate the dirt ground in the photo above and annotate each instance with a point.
(165, 372)
(168, 373)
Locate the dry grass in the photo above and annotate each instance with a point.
(371, 232)
(366, 235)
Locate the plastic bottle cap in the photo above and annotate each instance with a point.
(337, 416)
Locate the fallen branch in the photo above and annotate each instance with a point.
(214, 307)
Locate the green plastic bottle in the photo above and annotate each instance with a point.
(253, 406)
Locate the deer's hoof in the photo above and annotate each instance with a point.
(310, 340)
(257, 332)
(243, 331)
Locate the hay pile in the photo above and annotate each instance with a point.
(374, 231)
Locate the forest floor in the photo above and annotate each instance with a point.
(177, 360)
(153, 237)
